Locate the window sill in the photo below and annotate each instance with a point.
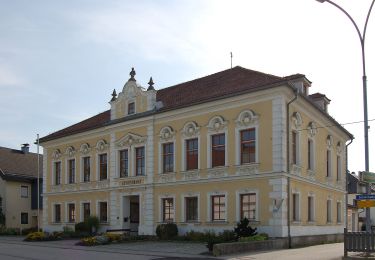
(191, 223)
(217, 222)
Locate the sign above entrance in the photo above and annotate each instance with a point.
(365, 197)
(132, 182)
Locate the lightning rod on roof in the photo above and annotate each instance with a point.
(231, 58)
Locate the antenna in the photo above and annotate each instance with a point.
(231, 58)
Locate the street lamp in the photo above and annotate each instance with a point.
(364, 80)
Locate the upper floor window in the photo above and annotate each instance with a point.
(71, 212)
(168, 155)
(71, 170)
(124, 163)
(102, 166)
(218, 150)
(338, 169)
(140, 161)
(57, 173)
(295, 202)
(168, 210)
(248, 206)
(86, 169)
(310, 154)
(294, 147)
(192, 154)
(248, 146)
(103, 215)
(131, 108)
(328, 163)
(218, 208)
(24, 191)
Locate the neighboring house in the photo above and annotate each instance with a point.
(355, 186)
(18, 187)
(203, 154)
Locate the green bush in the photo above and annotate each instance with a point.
(167, 231)
(243, 229)
(27, 231)
(223, 237)
(81, 227)
(195, 236)
(92, 223)
(9, 231)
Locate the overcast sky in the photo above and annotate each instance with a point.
(61, 60)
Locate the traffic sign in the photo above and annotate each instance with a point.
(365, 203)
(365, 197)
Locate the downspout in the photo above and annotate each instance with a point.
(287, 164)
(346, 183)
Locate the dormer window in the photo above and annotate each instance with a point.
(131, 108)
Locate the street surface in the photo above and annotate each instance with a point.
(13, 248)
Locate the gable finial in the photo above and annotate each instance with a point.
(114, 95)
(132, 74)
(151, 85)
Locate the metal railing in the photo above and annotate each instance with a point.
(360, 241)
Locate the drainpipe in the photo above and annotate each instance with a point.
(346, 183)
(287, 164)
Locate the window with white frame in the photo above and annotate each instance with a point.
(218, 208)
(295, 148)
(329, 211)
(248, 145)
(168, 210)
(140, 169)
(103, 166)
(124, 163)
(218, 150)
(24, 191)
(328, 163)
(131, 108)
(86, 168)
(71, 171)
(248, 206)
(86, 210)
(310, 209)
(57, 173)
(103, 211)
(191, 209)
(24, 218)
(71, 212)
(310, 155)
(191, 154)
(338, 213)
(168, 157)
(338, 168)
(57, 213)
(295, 202)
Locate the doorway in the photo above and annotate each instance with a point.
(130, 213)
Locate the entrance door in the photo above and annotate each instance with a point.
(130, 209)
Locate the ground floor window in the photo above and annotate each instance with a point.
(103, 216)
(310, 208)
(329, 211)
(248, 206)
(71, 212)
(295, 202)
(168, 210)
(86, 210)
(191, 209)
(57, 213)
(24, 218)
(339, 212)
(218, 208)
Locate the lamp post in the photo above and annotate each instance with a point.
(362, 37)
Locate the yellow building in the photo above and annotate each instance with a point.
(203, 154)
(19, 187)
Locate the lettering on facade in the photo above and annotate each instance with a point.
(131, 182)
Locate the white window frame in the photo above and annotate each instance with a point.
(130, 157)
(67, 212)
(82, 170)
(98, 210)
(329, 162)
(238, 143)
(161, 209)
(183, 209)
(27, 191)
(298, 209)
(132, 100)
(209, 205)
(298, 147)
(134, 158)
(312, 154)
(98, 166)
(329, 211)
(81, 209)
(161, 162)
(339, 167)
(311, 195)
(67, 171)
(54, 213)
(183, 152)
(238, 203)
(339, 212)
(209, 147)
(53, 179)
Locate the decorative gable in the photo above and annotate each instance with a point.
(130, 139)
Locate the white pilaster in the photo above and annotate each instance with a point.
(279, 134)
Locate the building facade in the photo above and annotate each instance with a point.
(19, 187)
(203, 154)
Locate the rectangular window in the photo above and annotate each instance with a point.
(218, 150)
(168, 210)
(329, 211)
(124, 163)
(192, 154)
(338, 214)
(86, 169)
(71, 212)
(131, 108)
(294, 147)
(134, 212)
(218, 208)
(191, 209)
(72, 170)
(310, 209)
(57, 173)
(24, 191)
(248, 206)
(139, 161)
(295, 207)
(57, 213)
(310, 151)
(248, 146)
(328, 163)
(103, 166)
(24, 218)
(86, 210)
(338, 169)
(168, 157)
(103, 212)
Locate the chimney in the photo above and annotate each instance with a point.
(25, 148)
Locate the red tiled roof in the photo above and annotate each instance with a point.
(219, 85)
(318, 95)
(15, 163)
